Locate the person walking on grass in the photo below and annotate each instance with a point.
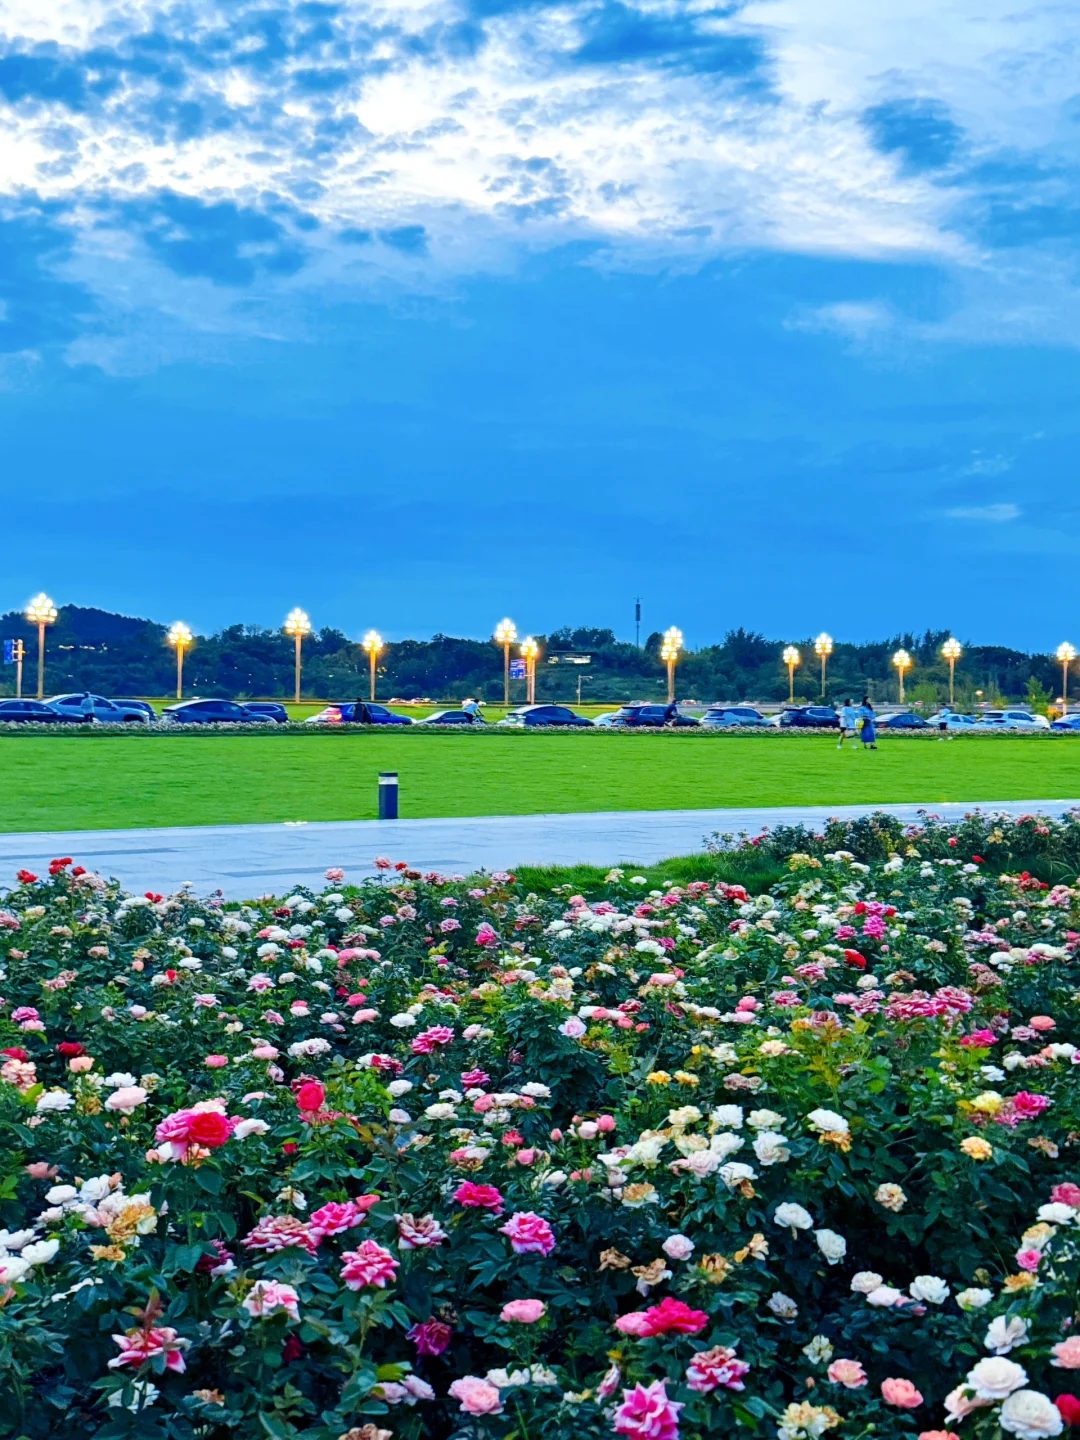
(849, 718)
(868, 729)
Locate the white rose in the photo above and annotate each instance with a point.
(1004, 1334)
(995, 1378)
(771, 1148)
(792, 1216)
(441, 1111)
(930, 1288)
(831, 1245)
(54, 1100)
(250, 1127)
(865, 1281)
(884, 1297)
(735, 1172)
(13, 1269)
(40, 1252)
(399, 1087)
(61, 1194)
(725, 1144)
(400, 1117)
(126, 1099)
(1056, 1213)
(764, 1119)
(403, 1020)
(728, 1117)
(678, 1247)
(828, 1120)
(974, 1298)
(1030, 1415)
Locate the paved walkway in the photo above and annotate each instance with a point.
(247, 860)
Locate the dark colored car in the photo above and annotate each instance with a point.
(905, 721)
(84, 706)
(21, 712)
(357, 712)
(1067, 722)
(452, 717)
(544, 715)
(267, 710)
(817, 717)
(734, 715)
(208, 712)
(655, 717)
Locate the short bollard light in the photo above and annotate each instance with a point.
(388, 795)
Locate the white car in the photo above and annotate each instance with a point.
(607, 720)
(1015, 720)
(953, 721)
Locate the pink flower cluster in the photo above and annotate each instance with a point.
(368, 1265)
(529, 1233)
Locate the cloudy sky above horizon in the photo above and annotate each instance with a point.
(414, 315)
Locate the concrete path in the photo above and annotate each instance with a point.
(248, 860)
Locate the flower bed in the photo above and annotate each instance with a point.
(436, 1157)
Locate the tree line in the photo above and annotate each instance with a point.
(96, 650)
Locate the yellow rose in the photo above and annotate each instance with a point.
(976, 1148)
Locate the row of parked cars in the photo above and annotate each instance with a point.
(85, 708)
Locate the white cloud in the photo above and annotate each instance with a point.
(993, 514)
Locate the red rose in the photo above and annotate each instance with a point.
(209, 1128)
(1069, 1406)
(25, 877)
(70, 1047)
(310, 1096)
(16, 1052)
(853, 958)
(290, 1147)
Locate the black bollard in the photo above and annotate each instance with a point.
(388, 795)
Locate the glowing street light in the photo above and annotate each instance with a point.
(670, 645)
(1066, 654)
(372, 643)
(791, 659)
(823, 648)
(41, 612)
(952, 650)
(529, 651)
(180, 636)
(505, 635)
(902, 661)
(297, 625)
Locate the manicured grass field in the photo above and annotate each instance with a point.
(108, 782)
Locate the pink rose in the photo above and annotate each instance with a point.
(529, 1233)
(523, 1312)
(901, 1393)
(633, 1324)
(1066, 1193)
(647, 1413)
(368, 1264)
(1042, 1022)
(848, 1373)
(479, 1197)
(1029, 1259)
(478, 1397)
(216, 1062)
(1066, 1353)
(714, 1369)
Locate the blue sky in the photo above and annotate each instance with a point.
(420, 314)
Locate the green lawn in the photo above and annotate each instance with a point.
(98, 782)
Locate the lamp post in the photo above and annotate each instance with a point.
(372, 643)
(1066, 654)
(902, 661)
(41, 612)
(823, 648)
(952, 650)
(505, 635)
(180, 636)
(670, 646)
(297, 625)
(791, 659)
(529, 651)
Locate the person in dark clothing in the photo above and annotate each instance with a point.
(868, 734)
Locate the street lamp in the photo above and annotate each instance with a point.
(670, 646)
(529, 651)
(372, 643)
(823, 648)
(1066, 654)
(791, 659)
(297, 625)
(902, 661)
(952, 650)
(505, 635)
(41, 612)
(180, 636)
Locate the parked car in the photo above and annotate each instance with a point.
(654, 717)
(208, 712)
(143, 705)
(544, 715)
(906, 720)
(267, 710)
(951, 720)
(84, 706)
(1067, 722)
(452, 717)
(607, 720)
(1015, 720)
(20, 712)
(734, 715)
(358, 712)
(816, 717)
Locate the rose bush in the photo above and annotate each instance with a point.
(668, 1162)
